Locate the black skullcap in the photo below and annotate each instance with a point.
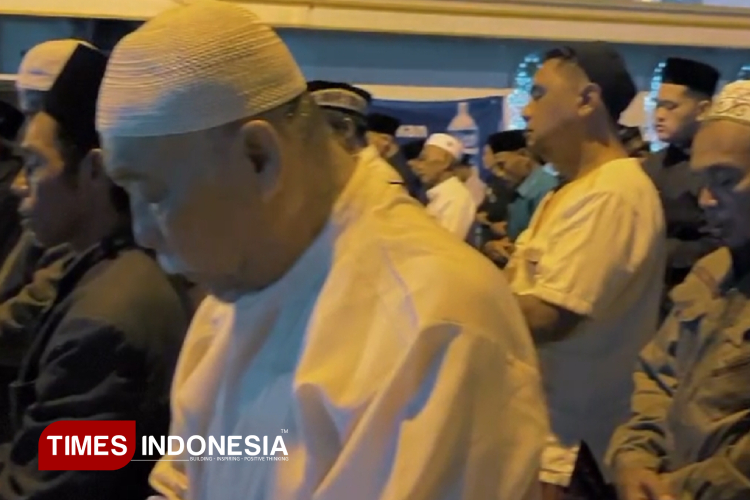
(72, 99)
(411, 150)
(11, 121)
(382, 124)
(340, 96)
(510, 140)
(695, 75)
(605, 67)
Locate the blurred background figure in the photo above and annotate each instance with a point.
(469, 175)
(684, 97)
(345, 107)
(449, 201)
(381, 133)
(635, 144)
(520, 182)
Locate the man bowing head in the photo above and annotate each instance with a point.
(392, 356)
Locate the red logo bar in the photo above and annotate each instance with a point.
(87, 445)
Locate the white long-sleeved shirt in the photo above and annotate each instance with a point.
(393, 357)
(452, 205)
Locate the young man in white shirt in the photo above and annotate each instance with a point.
(449, 200)
(587, 272)
(391, 354)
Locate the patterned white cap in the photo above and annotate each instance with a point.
(447, 143)
(195, 67)
(42, 64)
(732, 103)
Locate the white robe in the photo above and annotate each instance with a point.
(393, 354)
(452, 206)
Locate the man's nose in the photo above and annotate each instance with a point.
(20, 186)
(706, 198)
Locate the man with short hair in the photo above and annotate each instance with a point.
(684, 97)
(587, 271)
(392, 355)
(106, 347)
(688, 435)
(449, 201)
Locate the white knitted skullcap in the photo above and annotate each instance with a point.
(195, 67)
(42, 64)
(447, 143)
(732, 103)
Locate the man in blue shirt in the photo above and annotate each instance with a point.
(515, 169)
(528, 195)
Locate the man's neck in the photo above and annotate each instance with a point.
(684, 147)
(98, 229)
(391, 151)
(298, 218)
(593, 155)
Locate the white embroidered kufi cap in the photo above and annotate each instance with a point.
(732, 103)
(447, 143)
(195, 67)
(42, 64)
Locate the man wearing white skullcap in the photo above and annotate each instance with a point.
(449, 201)
(382, 358)
(687, 436)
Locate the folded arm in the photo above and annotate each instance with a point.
(86, 377)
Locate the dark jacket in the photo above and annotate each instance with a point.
(411, 182)
(688, 238)
(105, 350)
(28, 285)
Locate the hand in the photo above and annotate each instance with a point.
(499, 229)
(482, 219)
(641, 484)
(498, 250)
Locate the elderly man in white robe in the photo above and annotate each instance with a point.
(392, 355)
(450, 202)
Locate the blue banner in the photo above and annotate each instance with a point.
(471, 120)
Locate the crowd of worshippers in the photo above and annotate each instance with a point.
(196, 238)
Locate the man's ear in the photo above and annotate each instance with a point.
(703, 107)
(590, 97)
(92, 166)
(262, 148)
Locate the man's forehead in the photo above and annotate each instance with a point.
(721, 141)
(672, 90)
(40, 131)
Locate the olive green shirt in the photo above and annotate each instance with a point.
(691, 405)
